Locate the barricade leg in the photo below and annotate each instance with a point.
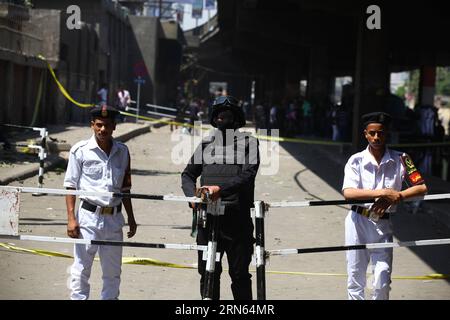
(214, 210)
(260, 251)
(42, 156)
(211, 258)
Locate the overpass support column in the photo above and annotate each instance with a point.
(292, 86)
(10, 113)
(371, 79)
(277, 84)
(28, 92)
(427, 85)
(319, 77)
(319, 87)
(272, 85)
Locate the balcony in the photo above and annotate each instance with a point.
(13, 12)
(20, 42)
(17, 35)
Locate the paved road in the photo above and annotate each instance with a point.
(303, 174)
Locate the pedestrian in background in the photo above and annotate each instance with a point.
(123, 100)
(103, 95)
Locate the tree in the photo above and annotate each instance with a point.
(411, 85)
(443, 81)
(401, 91)
(413, 82)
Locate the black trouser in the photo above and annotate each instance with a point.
(239, 252)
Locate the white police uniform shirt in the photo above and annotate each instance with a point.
(363, 172)
(91, 169)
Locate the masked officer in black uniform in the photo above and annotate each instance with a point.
(227, 162)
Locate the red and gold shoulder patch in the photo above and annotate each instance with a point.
(413, 176)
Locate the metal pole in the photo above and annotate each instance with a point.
(260, 251)
(444, 168)
(214, 210)
(211, 258)
(138, 98)
(42, 156)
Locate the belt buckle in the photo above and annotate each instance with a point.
(365, 212)
(107, 210)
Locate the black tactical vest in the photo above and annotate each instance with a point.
(223, 168)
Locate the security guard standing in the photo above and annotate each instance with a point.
(99, 164)
(227, 161)
(375, 173)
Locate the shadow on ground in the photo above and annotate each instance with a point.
(328, 163)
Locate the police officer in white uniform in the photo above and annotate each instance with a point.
(375, 173)
(99, 164)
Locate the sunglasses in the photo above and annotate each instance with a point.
(225, 100)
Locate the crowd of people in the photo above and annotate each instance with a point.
(301, 117)
(327, 120)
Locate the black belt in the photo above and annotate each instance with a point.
(104, 210)
(365, 212)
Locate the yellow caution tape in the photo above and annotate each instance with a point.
(125, 260)
(25, 149)
(432, 276)
(182, 124)
(158, 263)
(35, 251)
(86, 105)
(154, 262)
(160, 120)
(279, 139)
(62, 89)
(299, 140)
(298, 273)
(262, 137)
(38, 100)
(419, 144)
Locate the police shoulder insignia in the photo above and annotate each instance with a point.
(413, 176)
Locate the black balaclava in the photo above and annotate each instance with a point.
(225, 120)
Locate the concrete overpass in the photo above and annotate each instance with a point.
(278, 43)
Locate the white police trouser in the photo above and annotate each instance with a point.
(95, 226)
(360, 230)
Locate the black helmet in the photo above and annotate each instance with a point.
(223, 103)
